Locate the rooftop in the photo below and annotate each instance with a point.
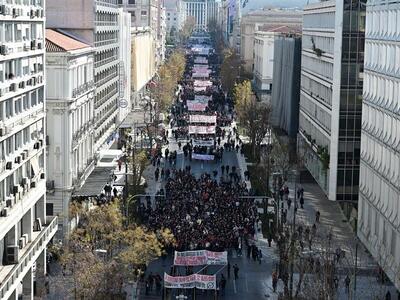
(59, 42)
(281, 29)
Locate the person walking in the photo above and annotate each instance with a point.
(236, 271)
(301, 202)
(317, 216)
(222, 284)
(347, 283)
(274, 280)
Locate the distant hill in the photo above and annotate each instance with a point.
(257, 4)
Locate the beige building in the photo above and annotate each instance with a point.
(142, 62)
(254, 21)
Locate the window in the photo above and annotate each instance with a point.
(143, 13)
(49, 209)
(9, 108)
(18, 106)
(131, 1)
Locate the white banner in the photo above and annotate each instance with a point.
(202, 156)
(200, 257)
(207, 143)
(201, 129)
(193, 106)
(202, 119)
(199, 281)
(201, 75)
(202, 83)
(200, 60)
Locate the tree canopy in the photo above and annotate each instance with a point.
(253, 116)
(102, 254)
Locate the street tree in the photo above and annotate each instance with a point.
(102, 254)
(230, 69)
(187, 29)
(253, 116)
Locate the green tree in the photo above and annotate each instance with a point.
(102, 254)
(230, 69)
(253, 116)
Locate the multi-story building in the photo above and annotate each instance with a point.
(149, 14)
(264, 58)
(95, 22)
(330, 99)
(203, 11)
(253, 21)
(125, 103)
(174, 10)
(142, 63)
(70, 122)
(285, 95)
(379, 202)
(25, 230)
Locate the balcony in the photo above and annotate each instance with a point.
(76, 92)
(12, 275)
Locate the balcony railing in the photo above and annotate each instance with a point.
(32, 252)
(82, 89)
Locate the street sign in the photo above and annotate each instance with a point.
(123, 103)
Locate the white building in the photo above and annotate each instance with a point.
(70, 121)
(253, 21)
(203, 11)
(330, 98)
(149, 14)
(379, 202)
(174, 10)
(25, 230)
(95, 22)
(125, 103)
(264, 58)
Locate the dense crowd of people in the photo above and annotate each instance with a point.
(202, 213)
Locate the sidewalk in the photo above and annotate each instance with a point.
(331, 220)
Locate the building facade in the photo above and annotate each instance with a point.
(330, 99)
(285, 96)
(25, 230)
(253, 21)
(95, 22)
(70, 122)
(379, 202)
(264, 45)
(125, 103)
(142, 63)
(203, 12)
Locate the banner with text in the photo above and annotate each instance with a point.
(207, 143)
(202, 129)
(194, 106)
(198, 281)
(200, 257)
(202, 119)
(207, 157)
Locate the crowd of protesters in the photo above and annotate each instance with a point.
(203, 213)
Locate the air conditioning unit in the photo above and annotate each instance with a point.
(12, 255)
(13, 87)
(2, 130)
(9, 201)
(42, 176)
(14, 12)
(33, 184)
(33, 45)
(26, 152)
(15, 189)
(3, 10)
(4, 212)
(39, 45)
(32, 13)
(21, 243)
(36, 145)
(37, 225)
(23, 155)
(25, 180)
(17, 160)
(9, 165)
(22, 85)
(50, 185)
(4, 50)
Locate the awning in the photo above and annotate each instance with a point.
(95, 183)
